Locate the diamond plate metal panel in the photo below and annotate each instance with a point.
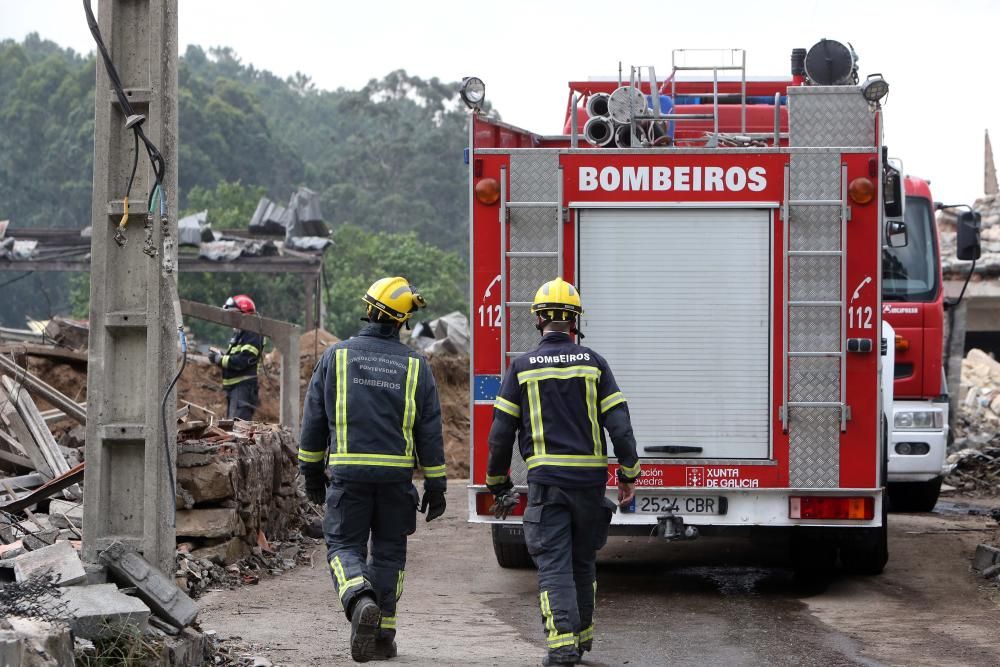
(815, 176)
(814, 329)
(814, 228)
(526, 275)
(829, 116)
(814, 379)
(533, 176)
(814, 278)
(533, 229)
(521, 326)
(814, 449)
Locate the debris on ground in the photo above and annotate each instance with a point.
(975, 457)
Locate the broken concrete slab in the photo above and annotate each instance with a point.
(208, 523)
(152, 585)
(65, 514)
(32, 643)
(60, 559)
(93, 611)
(96, 574)
(986, 556)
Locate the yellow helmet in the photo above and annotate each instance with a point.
(395, 297)
(557, 299)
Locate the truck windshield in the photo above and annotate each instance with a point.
(910, 273)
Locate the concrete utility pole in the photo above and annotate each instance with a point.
(133, 313)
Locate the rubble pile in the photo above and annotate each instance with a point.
(237, 491)
(976, 449)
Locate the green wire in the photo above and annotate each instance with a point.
(153, 200)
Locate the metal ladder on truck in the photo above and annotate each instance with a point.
(790, 303)
(507, 232)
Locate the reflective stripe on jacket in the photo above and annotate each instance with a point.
(557, 399)
(372, 413)
(240, 360)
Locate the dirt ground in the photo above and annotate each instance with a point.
(700, 603)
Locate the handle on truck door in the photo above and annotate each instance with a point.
(674, 449)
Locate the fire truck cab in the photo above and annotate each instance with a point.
(754, 210)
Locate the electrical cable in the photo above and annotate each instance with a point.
(163, 409)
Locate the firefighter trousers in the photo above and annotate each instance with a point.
(241, 400)
(563, 529)
(384, 512)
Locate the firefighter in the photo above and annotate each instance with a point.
(557, 401)
(373, 403)
(239, 363)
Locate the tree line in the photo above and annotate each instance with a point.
(386, 160)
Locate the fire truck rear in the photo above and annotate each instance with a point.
(752, 212)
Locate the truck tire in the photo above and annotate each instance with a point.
(509, 547)
(813, 559)
(868, 555)
(915, 496)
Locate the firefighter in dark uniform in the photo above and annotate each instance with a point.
(557, 402)
(239, 363)
(373, 404)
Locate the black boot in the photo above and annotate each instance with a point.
(385, 649)
(365, 618)
(562, 656)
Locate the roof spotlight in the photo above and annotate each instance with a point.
(473, 92)
(874, 88)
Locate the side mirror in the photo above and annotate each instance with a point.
(895, 234)
(967, 228)
(892, 191)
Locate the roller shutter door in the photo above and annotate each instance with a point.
(678, 302)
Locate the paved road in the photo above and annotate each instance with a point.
(702, 603)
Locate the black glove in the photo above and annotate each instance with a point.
(504, 503)
(435, 500)
(214, 357)
(316, 489)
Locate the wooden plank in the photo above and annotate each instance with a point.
(47, 351)
(19, 429)
(65, 481)
(70, 408)
(263, 325)
(39, 430)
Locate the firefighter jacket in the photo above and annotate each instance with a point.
(373, 404)
(239, 363)
(558, 400)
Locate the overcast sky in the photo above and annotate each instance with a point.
(939, 57)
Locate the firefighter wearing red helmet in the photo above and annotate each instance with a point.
(239, 363)
(557, 402)
(371, 415)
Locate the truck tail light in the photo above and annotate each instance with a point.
(902, 344)
(861, 190)
(488, 191)
(485, 500)
(828, 507)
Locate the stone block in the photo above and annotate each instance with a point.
(64, 514)
(153, 587)
(60, 559)
(986, 556)
(93, 611)
(213, 481)
(32, 643)
(224, 553)
(208, 523)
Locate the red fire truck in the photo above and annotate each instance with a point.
(913, 302)
(757, 211)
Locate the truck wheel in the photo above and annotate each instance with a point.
(915, 496)
(869, 554)
(509, 547)
(813, 560)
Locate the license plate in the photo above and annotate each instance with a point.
(678, 505)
